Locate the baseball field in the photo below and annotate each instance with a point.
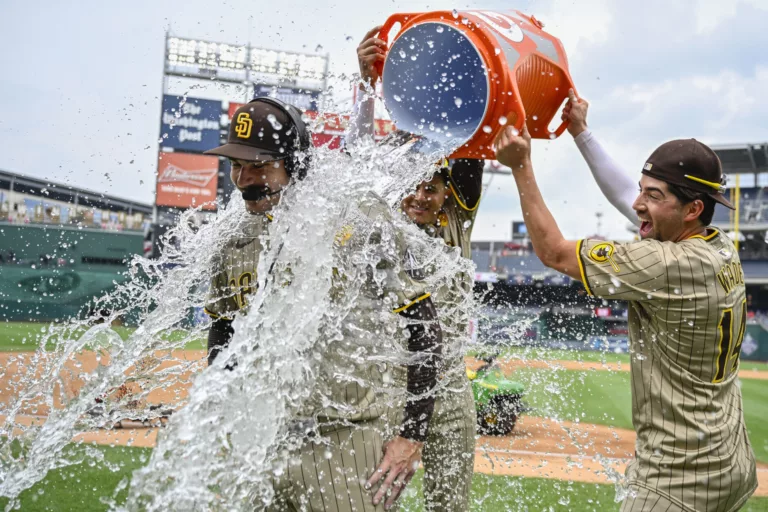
(565, 454)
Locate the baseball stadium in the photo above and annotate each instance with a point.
(343, 289)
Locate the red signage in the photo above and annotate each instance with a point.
(187, 181)
(329, 129)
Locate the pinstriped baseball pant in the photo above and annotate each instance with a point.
(329, 476)
(449, 452)
(643, 500)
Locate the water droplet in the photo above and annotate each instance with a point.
(319, 48)
(458, 102)
(397, 98)
(412, 46)
(552, 136)
(413, 57)
(502, 120)
(402, 54)
(487, 129)
(430, 43)
(535, 118)
(455, 13)
(274, 122)
(496, 51)
(467, 223)
(439, 29)
(443, 114)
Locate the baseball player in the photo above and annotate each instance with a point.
(347, 466)
(443, 206)
(687, 312)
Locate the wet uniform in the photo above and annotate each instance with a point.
(687, 319)
(449, 452)
(327, 472)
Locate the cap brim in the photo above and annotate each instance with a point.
(720, 198)
(243, 152)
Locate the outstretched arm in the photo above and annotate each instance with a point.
(614, 183)
(370, 52)
(514, 150)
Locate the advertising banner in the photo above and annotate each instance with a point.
(299, 98)
(328, 129)
(186, 180)
(190, 124)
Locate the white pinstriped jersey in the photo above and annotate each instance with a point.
(687, 318)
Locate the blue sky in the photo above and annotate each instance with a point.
(80, 88)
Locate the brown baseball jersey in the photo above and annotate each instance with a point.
(349, 384)
(687, 318)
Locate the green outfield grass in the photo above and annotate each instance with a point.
(25, 336)
(82, 487)
(603, 397)
(590, 356)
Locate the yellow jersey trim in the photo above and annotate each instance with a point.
(583, 274)
(215, 316)
(414, 301)
(707, 238)
(456, 194)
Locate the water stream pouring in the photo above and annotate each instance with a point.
(460, 77)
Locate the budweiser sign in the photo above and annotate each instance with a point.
(175, 174)
(185, 180)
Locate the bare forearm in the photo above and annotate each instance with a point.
(547, 240)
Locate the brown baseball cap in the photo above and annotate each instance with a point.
(691, 164)
(258, 132)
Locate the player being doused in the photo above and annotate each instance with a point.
(344, 427)
(444, 207)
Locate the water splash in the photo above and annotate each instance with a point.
(219, 448)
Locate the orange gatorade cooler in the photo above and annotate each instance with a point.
(457, 78)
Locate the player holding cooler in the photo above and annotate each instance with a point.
(342, 442)
(687, 314)
(445, 207)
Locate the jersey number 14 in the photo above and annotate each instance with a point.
(727, 351)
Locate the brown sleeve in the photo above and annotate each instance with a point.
(425, 343)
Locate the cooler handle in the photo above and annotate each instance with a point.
(384, 32)
(560, 129)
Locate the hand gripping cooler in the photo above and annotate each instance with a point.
(459, 78)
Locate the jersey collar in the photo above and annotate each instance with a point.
(711, 234)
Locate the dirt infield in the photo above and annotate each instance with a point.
(539, 447)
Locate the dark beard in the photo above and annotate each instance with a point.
(258, 192)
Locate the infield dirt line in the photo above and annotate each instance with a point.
(538, 448)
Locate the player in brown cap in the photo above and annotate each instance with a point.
(687, 316)
(444, 207)
(334, 470)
